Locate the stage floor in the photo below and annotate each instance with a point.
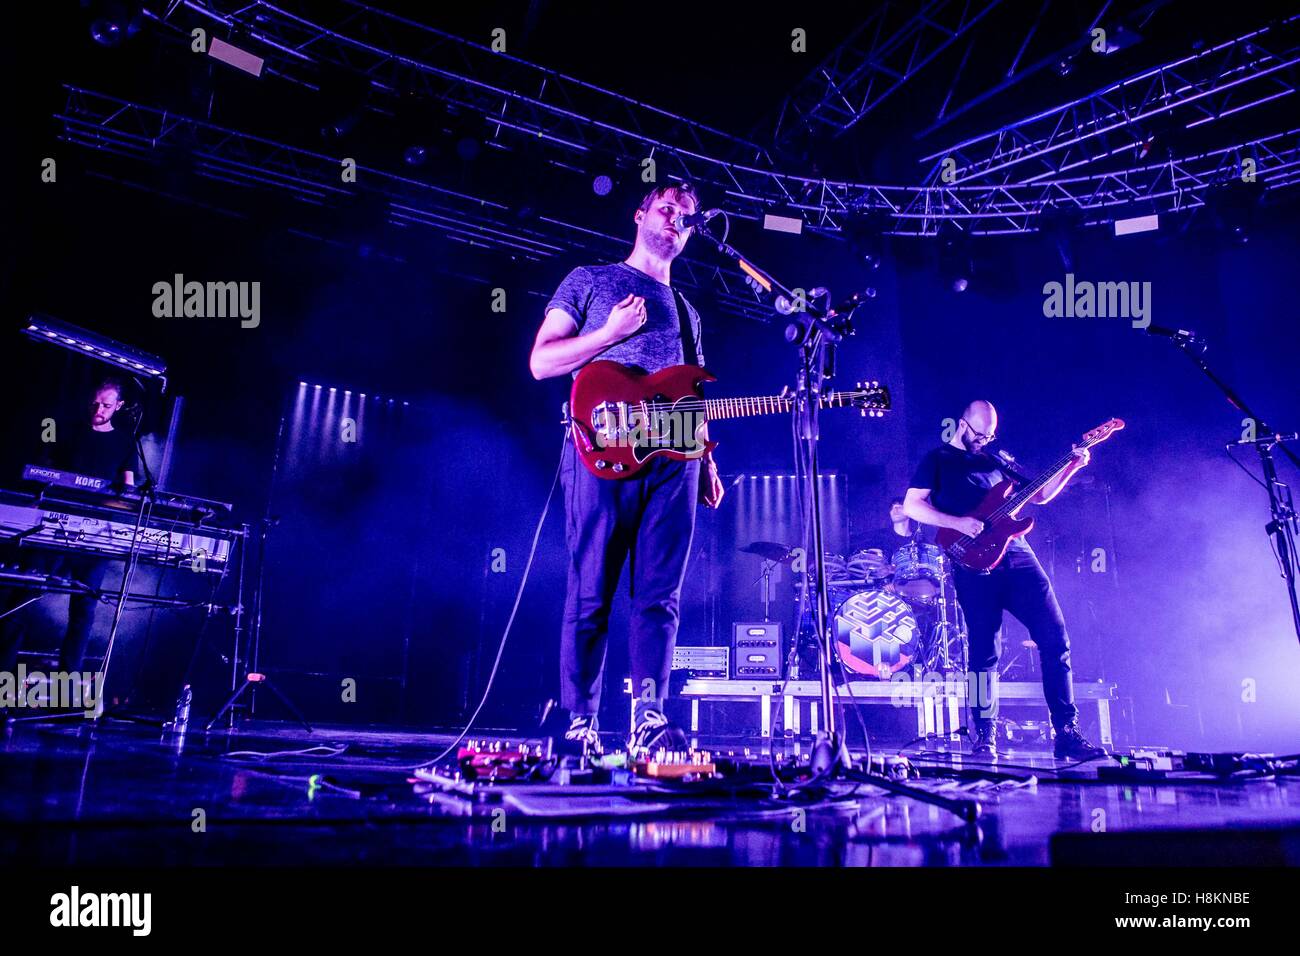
(118, 793)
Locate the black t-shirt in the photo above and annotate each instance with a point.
(958, 481)
(98, 454)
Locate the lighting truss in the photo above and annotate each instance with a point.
(512, 97)
(1239, 74)
(109, 124)
(871, 63)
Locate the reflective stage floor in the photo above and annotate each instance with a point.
(117, 793)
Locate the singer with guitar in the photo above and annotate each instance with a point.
(627, 312)
(955, 480)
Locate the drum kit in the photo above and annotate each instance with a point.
(887, 615)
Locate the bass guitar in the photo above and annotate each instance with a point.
(1000, 511)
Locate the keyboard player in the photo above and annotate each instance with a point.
(102, 445)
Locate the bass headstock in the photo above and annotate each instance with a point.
(1103, 431)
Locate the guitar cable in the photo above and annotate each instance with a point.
(505, 635)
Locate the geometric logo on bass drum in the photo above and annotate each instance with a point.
(875, 630)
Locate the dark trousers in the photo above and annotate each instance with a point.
(650, 519)
(1018, 585)
(90, 571)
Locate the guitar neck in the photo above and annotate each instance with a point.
(715, 408)
(1022, 495)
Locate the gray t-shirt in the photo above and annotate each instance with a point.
(588, 293)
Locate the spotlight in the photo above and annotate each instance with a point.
(415, 155)
(112, 22)
(602, 185)
(1233, 206)
(339, 126)
(1066, 66)
(955, 263)
(342, 101)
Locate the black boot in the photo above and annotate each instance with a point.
(986, 739)
(1072, 745)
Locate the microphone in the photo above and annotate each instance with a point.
(686, 221)
(1273, 439)
(1180, 336)
(853, 301)
(787, 307)
(1009, 463)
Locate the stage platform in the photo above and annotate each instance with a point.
(117, 793)
(939, 705)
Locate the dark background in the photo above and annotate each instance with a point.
(381, 569)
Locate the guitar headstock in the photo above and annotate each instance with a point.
(870, 398)
(1103, 431)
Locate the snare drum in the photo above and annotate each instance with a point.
(918, 572)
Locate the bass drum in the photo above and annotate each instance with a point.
(876, 633)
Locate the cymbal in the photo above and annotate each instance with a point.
(770, 550)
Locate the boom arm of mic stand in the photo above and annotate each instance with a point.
(816, 316)
(1279, 529)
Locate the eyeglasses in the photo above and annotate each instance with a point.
(979, 436)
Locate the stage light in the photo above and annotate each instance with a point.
(114, 21)
(343, 98)
(1233, 206)
(43, 328)
(602, 185)
(956, 265)
(415, 155)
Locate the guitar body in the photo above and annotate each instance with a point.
(615, 436)
(986, 551)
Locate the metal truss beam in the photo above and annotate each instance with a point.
(403, 58)
(871, 64)
(134, 131)
(103, 122)
(1236, 75)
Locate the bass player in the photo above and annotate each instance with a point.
(949, 483)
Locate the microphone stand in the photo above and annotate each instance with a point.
(1283, 527)
(816, 331)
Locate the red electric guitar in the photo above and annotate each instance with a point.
(999, 508)
(620, 419)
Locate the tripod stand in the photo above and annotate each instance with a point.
(815, 330)
(252, 678)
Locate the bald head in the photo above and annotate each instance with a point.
(978, 426)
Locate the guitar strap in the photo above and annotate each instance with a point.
(689, 353)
